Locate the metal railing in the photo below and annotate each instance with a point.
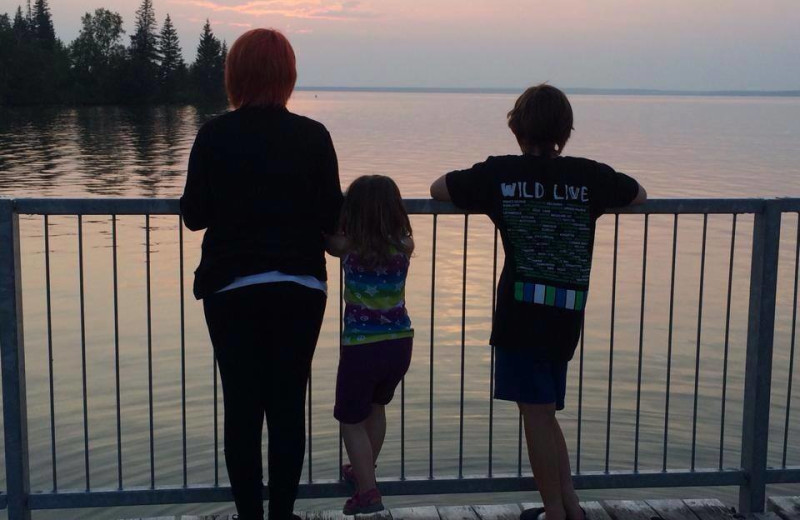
(751, 475)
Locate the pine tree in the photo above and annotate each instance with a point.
(20, 25)
(6, 45)
(208, 69)
(142, 81)
(43, 23)
(144, 40)
(171, 72)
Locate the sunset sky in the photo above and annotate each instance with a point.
(663, 44)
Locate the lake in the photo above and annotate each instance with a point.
(693, 147)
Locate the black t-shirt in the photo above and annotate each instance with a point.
(265, 184)
(545, 209)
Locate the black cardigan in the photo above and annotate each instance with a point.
(265, 184)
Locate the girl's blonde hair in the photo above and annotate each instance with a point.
(374, 219)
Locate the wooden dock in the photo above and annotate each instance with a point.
(779, 508)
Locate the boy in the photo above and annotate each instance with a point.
(545, 207)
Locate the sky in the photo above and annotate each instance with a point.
(653, 44)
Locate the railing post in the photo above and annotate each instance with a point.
(758, 364)
(15, 415)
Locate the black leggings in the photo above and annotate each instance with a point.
(264, 338)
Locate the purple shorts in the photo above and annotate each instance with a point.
(368, 374)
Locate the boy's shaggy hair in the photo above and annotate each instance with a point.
(542, 118)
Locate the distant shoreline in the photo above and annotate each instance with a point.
(583, 91)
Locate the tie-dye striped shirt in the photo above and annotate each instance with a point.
(375, 300)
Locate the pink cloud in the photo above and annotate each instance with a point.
(306, 9)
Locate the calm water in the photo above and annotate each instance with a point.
(677, 147)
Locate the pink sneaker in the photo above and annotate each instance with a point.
(364, 503)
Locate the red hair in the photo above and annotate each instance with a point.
(260, 69)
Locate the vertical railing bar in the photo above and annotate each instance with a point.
(699, 336)
(12, 351)
(433, 338)
(310, 432)
(641, 345)
(791, 348)
(150, 355)
(116, 348)
(216, 422)
(83, 354)
(727, 343)
(669, 338)
(183, 353)
(463, 352)
(611, 341)
(758, 360)
(580, 402)
(50, 350)
(403, 428)
(519, 444)
(491, 360)
(341, 330)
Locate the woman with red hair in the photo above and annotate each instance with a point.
(264, 183)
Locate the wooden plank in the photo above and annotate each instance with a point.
(710, 509)
(530, 505)
(206, 517)
(457, 513)
(595, 511)
(325, 515)
(629, 510)
(760, 516)
(415, 513)
(498, 512)
(787, 508)
(672, 509)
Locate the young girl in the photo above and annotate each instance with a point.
(375, 245)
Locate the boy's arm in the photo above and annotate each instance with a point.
(619, 190)
(641, 196)
(439, 189)
(469, 189)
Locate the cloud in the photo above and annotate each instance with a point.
(305, 9)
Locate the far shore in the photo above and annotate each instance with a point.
(578, 90)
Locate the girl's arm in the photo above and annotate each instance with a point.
(409, 243)
(336, 245)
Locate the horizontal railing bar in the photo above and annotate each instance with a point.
(410, 486)
(786, 204)
(787, 475)
(134, 206)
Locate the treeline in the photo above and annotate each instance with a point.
(36, 68)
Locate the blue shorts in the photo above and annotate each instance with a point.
(519, 377)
